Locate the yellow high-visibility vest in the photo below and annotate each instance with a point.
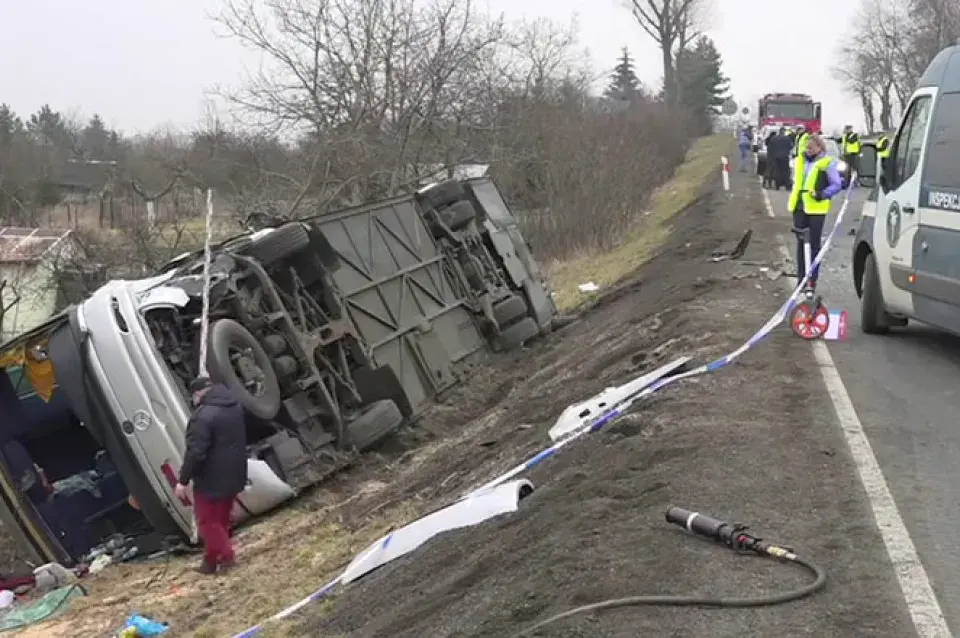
(807, 182)
(802, 143)
(850, 147)
(883, 147)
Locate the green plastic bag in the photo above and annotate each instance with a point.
(52, 603)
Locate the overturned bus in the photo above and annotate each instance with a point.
(331, 331)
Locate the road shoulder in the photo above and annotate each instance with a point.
(756, 442)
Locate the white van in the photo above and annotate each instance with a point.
(330, 333)
(94, 403)
(906, 256)
(92, 432)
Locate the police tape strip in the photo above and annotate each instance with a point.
(616, 411)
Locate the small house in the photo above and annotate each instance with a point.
(38, 272)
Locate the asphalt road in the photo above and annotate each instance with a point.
(905, 391)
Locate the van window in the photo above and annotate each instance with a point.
(909, 143)
(943, 153)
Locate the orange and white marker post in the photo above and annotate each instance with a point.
(725, 172)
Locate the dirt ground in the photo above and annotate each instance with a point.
(755, 442)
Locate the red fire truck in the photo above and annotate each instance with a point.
(788, 109)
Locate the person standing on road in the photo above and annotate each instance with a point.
(816, 180)
(801, 140)
(851, 149)
(215, 461)
(746, 143)
(883, 149)
(778, 155)
(769, 174)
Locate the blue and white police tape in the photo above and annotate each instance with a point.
(320, 594)
(612, 414)
(617, 410)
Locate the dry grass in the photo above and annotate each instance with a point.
(289, 555)
(283, 559)
(647, 234)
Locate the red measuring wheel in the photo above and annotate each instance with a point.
(809, 319)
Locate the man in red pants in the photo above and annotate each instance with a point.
(215, 461)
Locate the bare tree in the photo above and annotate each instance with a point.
(9, 298)
(673, 25)
(891, 43)
(383, 79)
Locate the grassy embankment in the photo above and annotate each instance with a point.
(648, 234)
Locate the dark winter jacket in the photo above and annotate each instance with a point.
(780, 147)
(216, 455)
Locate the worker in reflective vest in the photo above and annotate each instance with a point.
(883, 150)
(816, 180)
(803, 136)
(851, 148)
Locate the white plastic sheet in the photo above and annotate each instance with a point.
(476, 508)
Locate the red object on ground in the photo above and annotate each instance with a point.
(808, 323)
(213, 523)
(844, 322)
(13, 584)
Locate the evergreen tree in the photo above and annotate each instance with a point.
(624, 84)
(10, 125)
(703, 87)
(95, 139)
(49, 128)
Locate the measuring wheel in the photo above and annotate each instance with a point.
(809, 318)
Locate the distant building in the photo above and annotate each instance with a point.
(79, 179)
(41, 268)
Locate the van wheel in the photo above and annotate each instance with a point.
(508, 309)
(874, 320)
(458, 215)
(382, 382)
(236, 360)
(518, 334)
(377, 422)
(443, 194)
(281, 243)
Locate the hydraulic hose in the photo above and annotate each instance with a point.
(733, 536)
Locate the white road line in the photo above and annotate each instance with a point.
(917, 590)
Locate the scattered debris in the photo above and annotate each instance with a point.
(53, 576)
(24, 613)
(588, 287)
(100, 563)
(138, 626)
(479, 506)
(739, 250)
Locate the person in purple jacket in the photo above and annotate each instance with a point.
(746, 145)
(816, 181)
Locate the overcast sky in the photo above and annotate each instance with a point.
(144, 64)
